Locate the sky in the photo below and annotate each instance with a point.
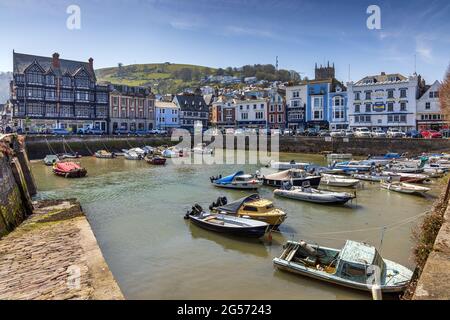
(414, 34)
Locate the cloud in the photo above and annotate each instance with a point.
(424, 49)
(243, 31)
(183, 25)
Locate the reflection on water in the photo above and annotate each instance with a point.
(136, 211)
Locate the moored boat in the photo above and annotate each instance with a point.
(376, 176)
(69, 155)
(227, 224)
(409, 177)
(338, 181)
(352, 266)
(69, 170)
(296, 177)
(238, 180)
(278, 165)
(253, 207)
(51, 159)
(103, 154)
(156, 160)
(132, 155)
(353, 166)
(309, 194)
(201, 148)
(403, 187)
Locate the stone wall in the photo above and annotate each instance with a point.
(39, 146)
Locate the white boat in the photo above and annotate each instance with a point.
(338, 181)
(295, 177)
(410, 177)
(139, 151)
(433, 172)
(278, 165)
(376, 177)
(132, 155)
(313, 195)
(238, 180)
(353, 166)
(339, 156)
(168, 153)
(404, 187)
(201, 148)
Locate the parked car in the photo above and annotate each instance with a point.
(395, 133)
(362, 132)
(431, 134)
(349, 133)
(287, 132)
(60, 132)
(324, 133)
(413, 134)
(95, 131)
(276, 132)
(445, 133)
(141, 132)
(311, 132)
(121, 132)
(337, 133)
(378, 133)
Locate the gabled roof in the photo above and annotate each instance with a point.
(427, 88)
(22, 61)
(191, 102)
(382, 78)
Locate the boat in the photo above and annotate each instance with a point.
(201, 148)
(385, 159)
(433, 172)
(278, 165)
(376, 176)
(238, 180)
(132, 155)
(156, 160)
(69, 170)
(294, 176)
(253, 207)
(404, 187)
(69, 155)
(353, 166)
(50, 159)
(103, 154)
(138, 151)
(306, 193)
(353, 266)
(338, 181)
(409, 177)
(331, 157)
(168, 153)
(226, 224)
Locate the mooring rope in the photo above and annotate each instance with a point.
(50, 147)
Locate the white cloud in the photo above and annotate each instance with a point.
(183, 25)
(424, 50)
(243, 31)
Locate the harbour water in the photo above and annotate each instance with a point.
(136, 212)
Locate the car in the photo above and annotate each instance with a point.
(287, 132)
(395, 133)
(431, 134)
(311, 132)
(445, 133)
(95, 131)
(121, 132)
(337, 133)
(378, 133)
(362, 132)
(349, 133)
(324, 133)
(141, 132)
(229, 131)
(276, 132)
(157, 131)
(60, 132)
(413, 134)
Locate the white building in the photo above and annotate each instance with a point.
(296, 98)
(429, 115)
(167, 115)
(383, 101)
(251, 113)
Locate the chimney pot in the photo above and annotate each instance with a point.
(91, 63)
(55, 61)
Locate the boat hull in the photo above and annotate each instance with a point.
(247, 232)
(238, 186)
(298, 182)
(314, 198)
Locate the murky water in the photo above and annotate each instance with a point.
(136, 211)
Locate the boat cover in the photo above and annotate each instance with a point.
(233, 207)
(67, 166)
(359, 253)
(229, 179)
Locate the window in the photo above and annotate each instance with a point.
(244, 116)
(66, 82)
(428, 106)
(35, 78)
(339, 114)
(280, 118)
(368, 95)
(368, 107)
(402, 93)
(403, 106)
(357, 96)
(296, 94)
(338, 101)
(357, 108)
(317, 102)
(390, 107)
(356, 119)
(390, 94)
(403, 118)
(259, 115)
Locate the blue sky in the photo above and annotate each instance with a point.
(222, 33)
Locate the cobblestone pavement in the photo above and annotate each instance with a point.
(54, 255)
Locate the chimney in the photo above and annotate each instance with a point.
(55, 61)
(383, 73)
(91, 63)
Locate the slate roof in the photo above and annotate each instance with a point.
(382, 78)
(22, 61)
(191, 103)
(130, 90)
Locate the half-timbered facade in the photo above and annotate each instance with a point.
(50, 93)
(193, 111)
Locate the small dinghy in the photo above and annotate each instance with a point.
(103, 154)
(338, 181)
(288, 165)
(50, 160)
(295, 177)
(404, 188)
(376, 177)
(253, 207)
(132, 155)
(353, 266)
(69, 170)
(155, 160)
(238, 180)
(306, 193)
(226, 224)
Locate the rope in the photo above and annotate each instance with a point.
(68, 146)
(89, 150)
(50, 147)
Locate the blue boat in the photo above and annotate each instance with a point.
(238, 180)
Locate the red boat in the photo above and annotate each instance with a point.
(69, 170)
(158, 161)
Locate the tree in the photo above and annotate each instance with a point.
(444, 95)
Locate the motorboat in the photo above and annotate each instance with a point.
(278, 165)
(409, 177)
(103, 154)
(306, 193)
(331, 157)
(376, 176)
(238, 180)
(69, 155)
(226, 224)
(385, 159)
(138, 151)
(168, 153)
(353, 266)
(433, 172)
(69, 170)
(201, 148)
(253, 207)
(132, 155)
(296, 177)
(353, 165)
(404, 187)
(338, 181)
(156, 160)
(50, 159)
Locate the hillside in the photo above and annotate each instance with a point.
(5, 78)
(162, 77)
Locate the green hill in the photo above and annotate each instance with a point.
(161, 77)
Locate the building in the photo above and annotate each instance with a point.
(193, 111)
(338, 115)
(429, 113)
(6, 117)
(383, 101)
(251, 113)
(296, 97)
(49, 92)
(223, 113)
(131, 108)
(167, 115)
(276, 115)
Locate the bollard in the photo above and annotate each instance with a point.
(376, 292)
